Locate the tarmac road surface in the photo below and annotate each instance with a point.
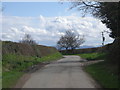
(64, 73)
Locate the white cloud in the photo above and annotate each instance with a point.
(47, 30)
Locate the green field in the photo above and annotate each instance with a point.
(13, 66)
(93, 56)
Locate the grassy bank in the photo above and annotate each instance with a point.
(10, 78)
(106, 74)
(0, 74)
(93, 56)
(13, 66)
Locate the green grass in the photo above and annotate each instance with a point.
(50, 57)
(9, 79)
(20, 62)
(104, 73)
(0, 74)
(93, 56)
(13, 66)
(15, 62)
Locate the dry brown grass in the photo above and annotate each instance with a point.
(25, 49)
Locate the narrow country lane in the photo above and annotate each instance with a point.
(64, 73)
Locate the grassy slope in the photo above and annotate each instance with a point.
(10, 78)
(0, 74)
(106, 74)
(93, 56)
(13, 65)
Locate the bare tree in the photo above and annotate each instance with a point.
(70, 41)
(108, 12)
(62, 43)
(86, 7)
(27, 39)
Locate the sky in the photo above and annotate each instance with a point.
(47, 21)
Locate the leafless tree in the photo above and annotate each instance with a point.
(86, 7)
(70, 40)
(27, 39)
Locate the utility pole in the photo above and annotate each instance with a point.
(103, 38)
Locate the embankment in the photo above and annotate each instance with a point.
(17, 58)
(26, 49)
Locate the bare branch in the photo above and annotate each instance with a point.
(70, 40)
(27, 39)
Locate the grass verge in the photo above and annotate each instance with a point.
(106, 74)
(10, 78)
(13, 66)
(93, 56)
(50, 57)
(0, 74)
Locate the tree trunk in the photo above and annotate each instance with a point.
(66, 51)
